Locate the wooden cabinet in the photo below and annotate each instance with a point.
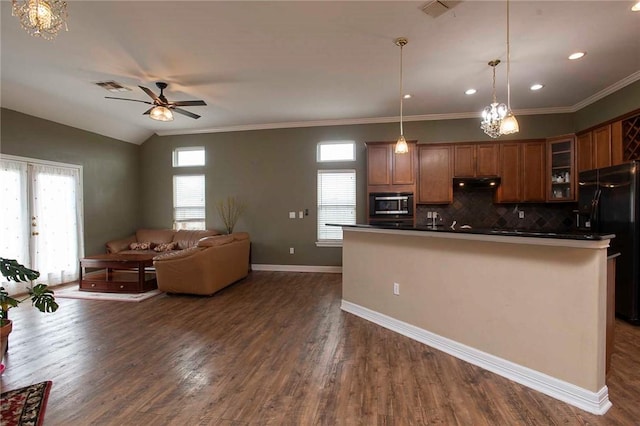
(476, 160)
(522, 172)
(601, 147)
(561, 176)
(388, 171)
(435, 174)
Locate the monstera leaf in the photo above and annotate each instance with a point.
(12, 270)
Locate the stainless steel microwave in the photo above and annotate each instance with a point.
(391, 203)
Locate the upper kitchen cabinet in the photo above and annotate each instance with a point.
(522, 172)
(561, 176)
(601, 147)
(435, 174)
(476, 160)
(388, 171)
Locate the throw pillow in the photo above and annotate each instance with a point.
(165, 246)
(141, 246)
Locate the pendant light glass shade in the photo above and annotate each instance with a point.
(401, 144)
(161, 113)
(509, 124)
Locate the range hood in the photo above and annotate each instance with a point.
(488, 182)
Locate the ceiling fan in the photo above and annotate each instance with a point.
(162, 108)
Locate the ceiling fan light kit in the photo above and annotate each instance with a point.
(41, 18)
(163, 109)
(161, 113)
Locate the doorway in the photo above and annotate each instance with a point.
(41, 219)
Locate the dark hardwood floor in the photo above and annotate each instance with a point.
(276, 349)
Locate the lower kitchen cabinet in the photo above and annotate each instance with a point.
(435, 174)
(522, 172)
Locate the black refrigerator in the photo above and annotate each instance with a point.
(609, 203)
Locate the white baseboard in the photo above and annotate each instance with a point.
(593, 402)
(296, 268)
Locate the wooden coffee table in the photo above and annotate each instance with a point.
(123, 273)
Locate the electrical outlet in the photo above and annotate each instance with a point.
(396, 289)
(521, 214)
(292, 250)
(429, 215)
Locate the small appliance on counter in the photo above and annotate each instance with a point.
(609, 203)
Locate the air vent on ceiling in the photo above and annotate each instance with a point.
(112, 86)
(436, 8)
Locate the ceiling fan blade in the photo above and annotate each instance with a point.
(132, 100)
(151, 94)
(185, 112)
(189, 103)
(147, 112)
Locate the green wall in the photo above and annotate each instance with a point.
(608, 108)
(272, 171)
(111, 178)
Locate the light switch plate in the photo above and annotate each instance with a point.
(301, 214)
(292, 215)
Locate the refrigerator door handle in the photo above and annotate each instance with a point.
(594, 208)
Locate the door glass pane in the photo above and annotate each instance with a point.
(14, 215)
(55, 209)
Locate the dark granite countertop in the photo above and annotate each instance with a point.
(575, 235)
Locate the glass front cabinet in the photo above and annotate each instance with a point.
(561, 169)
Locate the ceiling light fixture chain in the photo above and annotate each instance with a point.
(41, 18)
(401, 144)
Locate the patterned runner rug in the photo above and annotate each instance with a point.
(24, 406)
(74, 293)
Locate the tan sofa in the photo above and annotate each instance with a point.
(214, 263)
(182, 240)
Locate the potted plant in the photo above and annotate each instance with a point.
(230, 211)
(41, 296)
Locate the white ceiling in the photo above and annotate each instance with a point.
(272, 64)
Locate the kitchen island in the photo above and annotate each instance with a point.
(530, 306)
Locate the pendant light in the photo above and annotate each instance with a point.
(509, 123)
(493, 114)
(401, 144)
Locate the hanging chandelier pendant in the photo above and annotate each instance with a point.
(493, 114)
(41, 18)
(401, 144)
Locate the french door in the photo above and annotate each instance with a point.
(41, 218)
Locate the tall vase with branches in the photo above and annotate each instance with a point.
(230, 209)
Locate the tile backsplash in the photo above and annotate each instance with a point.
(475, 207)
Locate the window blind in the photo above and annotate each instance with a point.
(189, 200)
(336, 202)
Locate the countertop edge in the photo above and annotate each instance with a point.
(602, 241)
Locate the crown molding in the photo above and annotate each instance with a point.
(426, 117)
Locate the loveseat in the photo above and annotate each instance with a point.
(212, 264)
(157, 241)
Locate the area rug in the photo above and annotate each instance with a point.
(24, 406)
(74, 293)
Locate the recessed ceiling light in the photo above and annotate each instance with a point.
(407, 96)
(576, 55)
(636, 7)
(470, 91)
(537, 86)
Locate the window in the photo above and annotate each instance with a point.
(336, 204)
(188, 156)
(188, 202)
(336, 151)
